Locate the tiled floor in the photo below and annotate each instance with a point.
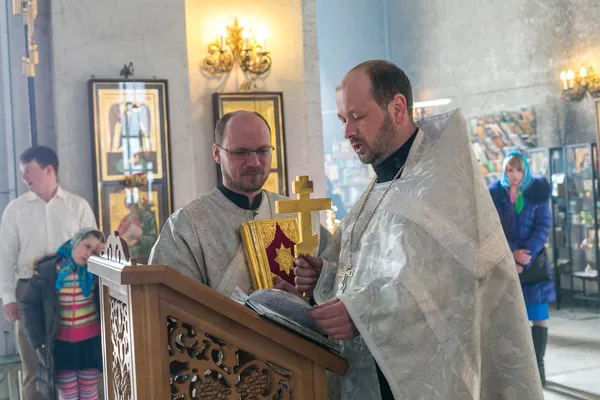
(573, 353)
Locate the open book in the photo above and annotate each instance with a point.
(287, 310)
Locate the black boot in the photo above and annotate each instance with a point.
(540, 339)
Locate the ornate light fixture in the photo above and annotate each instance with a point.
(241, 45)
(575, 87)
(29, 10)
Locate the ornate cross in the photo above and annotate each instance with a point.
(304, 205)
(345, 273)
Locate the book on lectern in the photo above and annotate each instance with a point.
(287, 310)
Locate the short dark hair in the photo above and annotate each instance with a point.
(42, 155)
(224, 120)
(387, 80)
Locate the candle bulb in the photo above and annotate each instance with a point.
(583, 74)
(246, 36)
(265, 46)
(570, 78)
(563, 78)
(222, 36)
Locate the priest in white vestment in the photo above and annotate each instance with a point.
(202, 240)
(419, 284)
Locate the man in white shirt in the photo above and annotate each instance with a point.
(35, 224)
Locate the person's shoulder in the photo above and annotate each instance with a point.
(194, 210)
(72, 197)
(497, 190)
(276, 196)
(15, 205)
(45, 267)
(539, 190)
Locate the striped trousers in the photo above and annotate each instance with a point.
(77, 385)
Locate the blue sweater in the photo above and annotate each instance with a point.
(528, 230)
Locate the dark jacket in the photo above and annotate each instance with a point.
(40, 309)
(528, 230)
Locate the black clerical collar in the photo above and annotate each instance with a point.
(388, 168)
(241, 200)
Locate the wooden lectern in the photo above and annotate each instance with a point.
(166, 336)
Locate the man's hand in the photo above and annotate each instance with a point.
(307, 271)
(522, 256)
(333, 318)
(519, 268)
(286, 287)
(11, 312)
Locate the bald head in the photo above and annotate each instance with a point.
(240, 117)
(386, 81)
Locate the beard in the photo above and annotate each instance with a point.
(255, 179)
(381, 147)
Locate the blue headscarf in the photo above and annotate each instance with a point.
(68, 265)
(527, 179)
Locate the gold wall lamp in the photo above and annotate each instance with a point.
(575, 87)
(30, 11)
(238, 44)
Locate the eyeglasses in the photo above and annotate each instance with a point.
(262, 152)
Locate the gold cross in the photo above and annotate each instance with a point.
(303, 206)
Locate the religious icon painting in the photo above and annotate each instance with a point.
(130, 125)
(135, 213)
(270, 106)
(130, 131)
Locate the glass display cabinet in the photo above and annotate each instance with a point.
(581, 192)
(560, 251)
(539, 165)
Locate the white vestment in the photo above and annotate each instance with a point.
(202, 240)
(434, 293)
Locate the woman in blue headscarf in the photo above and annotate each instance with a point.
(61, 318)
(522, 202)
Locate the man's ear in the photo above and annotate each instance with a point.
(398, 109)
(216, 153)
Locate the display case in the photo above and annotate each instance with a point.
(539, 165)
(550, 163)
(561, 252)
(581, 193)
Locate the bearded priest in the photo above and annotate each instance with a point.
(420, 284)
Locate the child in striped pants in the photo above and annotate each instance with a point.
(60, 315)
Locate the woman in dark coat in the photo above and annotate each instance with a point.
(522, 202)
(60, 315)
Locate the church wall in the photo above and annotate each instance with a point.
(491, 56)
(350, 32)
(43, 78)
(95, 39)
(293, 46)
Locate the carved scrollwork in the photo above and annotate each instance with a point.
(204, 367)
(121, 345)
(116, 249)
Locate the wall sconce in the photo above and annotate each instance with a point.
(575, 87)
(241, 45)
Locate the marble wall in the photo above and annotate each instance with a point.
(293, 46)
(492, 56)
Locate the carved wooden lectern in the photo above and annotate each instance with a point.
(166, 336)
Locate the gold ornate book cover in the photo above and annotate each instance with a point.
(269, 246)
